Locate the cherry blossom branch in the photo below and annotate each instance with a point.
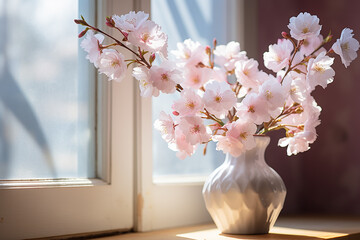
(111, 23)
(326, 40)
(306, 59)
(84, 23)
(271, 125)
(292, 59)
(107, 46)
(210, 116)
(237, 88)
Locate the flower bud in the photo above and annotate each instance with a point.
(80, 21)
(214, 42)
(110, 22)
(83, 33)
(175, 113)
(208, 50)
(152, 58)
(285, 35)
(328, 38)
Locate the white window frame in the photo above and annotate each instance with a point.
(124, 197)
(45, 208)
(178, 202)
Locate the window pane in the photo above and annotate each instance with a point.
(201, 21)
(46, 118)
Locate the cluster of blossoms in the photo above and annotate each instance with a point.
(213, 105)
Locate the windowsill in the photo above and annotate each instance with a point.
(305, 227)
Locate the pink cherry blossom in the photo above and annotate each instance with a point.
(166, 126)
(296, 88)
(254, 108)
(149, 37)
(182, 146)
(131, 21)
(309, 116)
(304, 26)
(279, 55)
(91, 45)
(320, 71)
(227, 55)
(219, 98)
(305, 134)
(190, 53)
(310, 44)
(143, 76)
(294, 144)
(346, 46)
(196, 77)
(165, 77)
(221, 87)
(194, 130)
(229, 145)
(248, 74)
(218, 74)
(239, 137)
(273, 93)
(112, 64)
(189, 103)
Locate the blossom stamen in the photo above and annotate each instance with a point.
(195, 129)
(218, 99)
(196, 80)
(251, 109)
(114, 64)
(305, 30)
(190, 105)
(244, 135)
(145, 37)
(345, 46)
(269, 95)
(164, 77)
(319, 68)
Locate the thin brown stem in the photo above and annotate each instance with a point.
(212, 117)
(122, 45)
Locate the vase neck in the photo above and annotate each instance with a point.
(255, 154)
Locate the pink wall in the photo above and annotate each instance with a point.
(326, 179)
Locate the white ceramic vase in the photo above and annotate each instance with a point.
(244, 195)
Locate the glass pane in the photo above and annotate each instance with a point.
(201, 21)
(46, 118)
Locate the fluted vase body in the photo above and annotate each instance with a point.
(244, 195)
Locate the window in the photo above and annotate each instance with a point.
(46, 204)
(119, 191)
(40, 62)
(169, 201)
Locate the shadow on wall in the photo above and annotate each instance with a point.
(326, 179)
(14, 100)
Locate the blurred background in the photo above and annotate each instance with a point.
(325, 179)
